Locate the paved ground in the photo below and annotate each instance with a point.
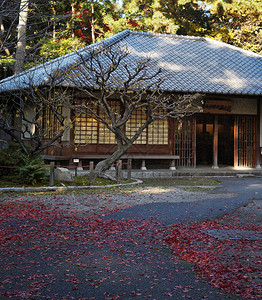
(94, 254)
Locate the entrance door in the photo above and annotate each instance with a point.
(204, 139)
(212, 141)
(226, 140)
(185, 141)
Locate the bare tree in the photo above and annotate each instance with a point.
(111, 73)
(35, 117)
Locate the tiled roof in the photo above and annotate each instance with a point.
(194, 64)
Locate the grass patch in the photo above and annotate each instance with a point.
(191, 184)
(195, 189)
(11, 181)
(85, 181)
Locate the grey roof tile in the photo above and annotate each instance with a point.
(194, 64)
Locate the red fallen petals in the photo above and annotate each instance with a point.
(27, 225)
(226, 263)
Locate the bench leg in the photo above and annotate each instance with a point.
(172, 167)
(143, 166)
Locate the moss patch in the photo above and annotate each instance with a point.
(183, 181)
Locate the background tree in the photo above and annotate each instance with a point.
(55, 28)
(8, 20)
(191, 17)
(143, 16)
(106, 74)
(238, 22)
(21, 36)
(50, 29)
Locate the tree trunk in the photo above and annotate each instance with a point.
(73, 18)
(104, 165)
(21, 37)
(93, 23)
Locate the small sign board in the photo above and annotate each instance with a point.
(76, 160)
(218, 106)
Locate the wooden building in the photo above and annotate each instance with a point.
(225, 133)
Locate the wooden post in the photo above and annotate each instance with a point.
(52, 175)
(119, 171)
(194, 140)
(129, 168)
(257, 139)
(236, 142)
(75, 170)
(215, 143)
(91, 172)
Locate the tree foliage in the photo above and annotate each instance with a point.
(56, 27)
(51, 24)
(238, 22)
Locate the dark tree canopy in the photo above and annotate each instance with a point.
(55, 28)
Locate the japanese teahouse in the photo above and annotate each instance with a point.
(226, 132)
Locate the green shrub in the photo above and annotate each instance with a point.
(17, 167)
(33, 170)
(10, 159)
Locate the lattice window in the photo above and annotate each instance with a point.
(155, 134)
(134, 123)
(185, 137)
(246, 135)
(158, 132)
(88, 130)
(85, 126)
(106, 136)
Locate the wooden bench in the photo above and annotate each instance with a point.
(142, 157)
(56, 158)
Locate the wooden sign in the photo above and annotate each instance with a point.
(218, 106)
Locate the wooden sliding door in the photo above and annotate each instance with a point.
(245, 141)
(185, 141)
